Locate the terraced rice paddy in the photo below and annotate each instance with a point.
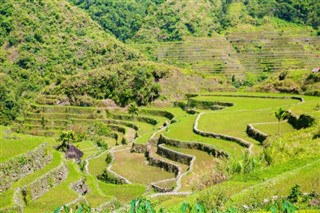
(238, 52)
(134, 167)
(182, 163)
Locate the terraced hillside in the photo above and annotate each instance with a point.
(182, 151)
(240, 52)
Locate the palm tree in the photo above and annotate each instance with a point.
(65, 138)
(280, 114)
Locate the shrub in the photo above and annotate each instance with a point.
(108, 158)
(107, 177)
(101, 143)
(295, 194)
(211, 177)
(247, 164)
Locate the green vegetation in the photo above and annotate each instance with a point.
(280, 114)
(132, 167)
(117, 78)
(13, 144)
(171, 21)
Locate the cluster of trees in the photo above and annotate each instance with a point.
(122, 18)
(160, 20)
(171, 21)
(297, 11)
(125, 83)
(9, 103)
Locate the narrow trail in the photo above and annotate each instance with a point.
(111, 151)
(92, 157)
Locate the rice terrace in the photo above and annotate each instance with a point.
(159, 106)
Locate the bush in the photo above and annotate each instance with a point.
(108, 158)
(107, 177)
(247, 164)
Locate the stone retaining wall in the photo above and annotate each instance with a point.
(256, 134)
(159, 189)
(43, 184)
(213, 105)
(153, 161)
(299, 122)
(222, 136)
(161, 113)
(118, 128)
(173, 155)
(138, 148)
(194, 145)
(22, 165)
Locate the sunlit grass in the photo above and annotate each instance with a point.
(135, 168)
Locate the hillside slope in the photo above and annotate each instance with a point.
(46, 38)
(170, 20)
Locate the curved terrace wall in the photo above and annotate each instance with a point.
(256, 134)
(213, 105)
(193, 145)
(173, 155)
(153, 161)
(217, 135)
(299, 122)
(161, 113)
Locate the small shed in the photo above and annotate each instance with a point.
(74, 152)
(316, 70)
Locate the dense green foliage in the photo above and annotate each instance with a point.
(170, 20)
(122, 18)
(43, 39)
(124, 83)
(42, 42)
(297, 11)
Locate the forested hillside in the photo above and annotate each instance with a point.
(172, 20)
(218, 44)
(42, 42)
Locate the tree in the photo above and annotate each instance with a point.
(280, 114)
(101, 129)
(65, 138)
(133, 109)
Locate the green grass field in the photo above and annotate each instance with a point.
(97, 165)
(272, 128)
(182, 130)
(134, 167)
